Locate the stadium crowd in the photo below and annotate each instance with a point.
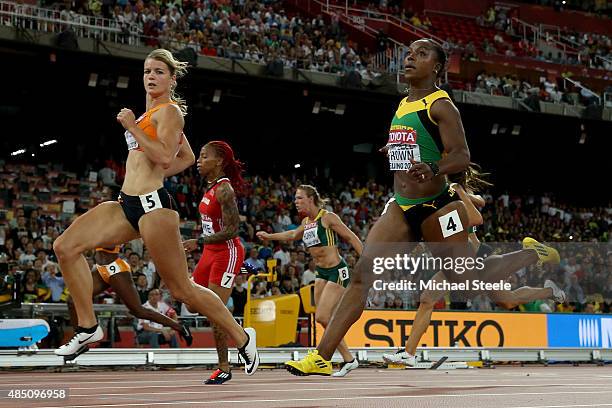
(40, 201)
(263, 32)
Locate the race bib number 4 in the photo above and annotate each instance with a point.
(450, 224)
(400, 156)
(310, 236)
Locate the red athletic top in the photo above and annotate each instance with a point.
(212, 219)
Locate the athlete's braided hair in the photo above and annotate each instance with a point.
(472, 178)
(232, 167)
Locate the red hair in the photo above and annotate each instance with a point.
(232, 167)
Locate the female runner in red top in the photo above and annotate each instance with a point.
(223, 253)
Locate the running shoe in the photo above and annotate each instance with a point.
(558, 293)
(78, 344)
(219, 377)
(185, 333)
(249, 353)
(346, 367)
(312, 364)
(545, 253)
(400, 357)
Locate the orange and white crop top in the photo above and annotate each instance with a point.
(144, 123)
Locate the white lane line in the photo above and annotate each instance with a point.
(566, 406)
(265, 382)
(181, 403)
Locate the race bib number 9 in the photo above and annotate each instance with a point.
(400, 156)
(113, 268)
(310, 236)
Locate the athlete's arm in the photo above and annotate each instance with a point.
(292, 235)
(168, 122)
(477, 200)
(334, 222)
(474, 216)
(229, 214)
(457, 158)
(184, 159)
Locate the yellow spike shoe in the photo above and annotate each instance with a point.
(545, 253)
(312, 364)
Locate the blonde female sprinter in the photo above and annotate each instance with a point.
(157, 149)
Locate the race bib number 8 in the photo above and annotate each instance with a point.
(150, 202)
(400, 155)
(344, 273)
(450, 224)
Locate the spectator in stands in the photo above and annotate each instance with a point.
(33, 289)
(239, 295)
(310, 274)
(254, 262)
(142, 287)
(135, 263)
(282, 254)
(153, 333)
(53, 279)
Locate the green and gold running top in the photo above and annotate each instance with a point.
(315, 234)
(414, 134)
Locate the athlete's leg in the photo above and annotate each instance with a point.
(511, 299)
(390, 228)
(456, 246)
(124, 286)
(160, 232)
(103, 226)
(220, 336)
(423, 316)
(98, 287)
(327, 294)
(499, 267)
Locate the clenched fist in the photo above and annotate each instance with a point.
(127, 118)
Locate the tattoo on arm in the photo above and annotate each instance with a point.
(229, 214)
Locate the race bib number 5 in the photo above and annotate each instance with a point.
(150, 202)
